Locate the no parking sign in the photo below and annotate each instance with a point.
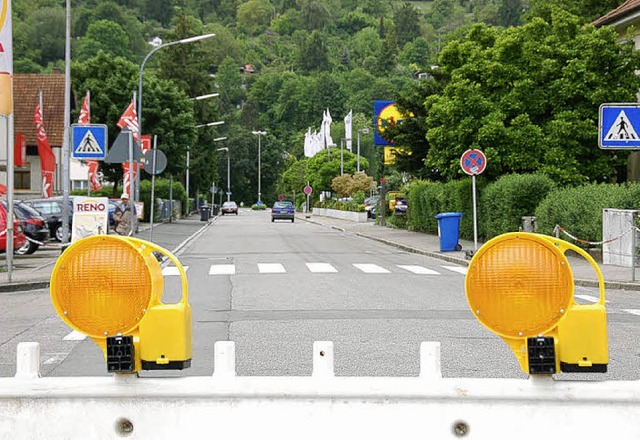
(473, 162)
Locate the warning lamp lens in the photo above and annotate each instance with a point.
(102, 286)
(519, 285)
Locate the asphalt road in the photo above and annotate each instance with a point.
(275, 288)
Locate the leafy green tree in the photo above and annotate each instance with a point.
(407, 22)
(313, 53)
(45, 34)
(528, 97)
(255, 15)
(159, 10)
(293, 178)
(104, 35)
(324, 167)
(167, 112)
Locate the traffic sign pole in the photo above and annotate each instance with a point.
(473, 162)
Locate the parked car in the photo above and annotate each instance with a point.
(229, 208)
(370, 205)
(283, 211)
(401, 205)
(19, 239)
(51, 209)
(34, 226)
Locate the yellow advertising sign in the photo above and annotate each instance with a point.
(390, 154)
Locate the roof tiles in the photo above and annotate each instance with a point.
(26, 89)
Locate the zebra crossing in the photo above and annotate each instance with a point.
(320, 267)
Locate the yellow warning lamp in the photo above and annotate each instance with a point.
(110, 288)
(520, 286)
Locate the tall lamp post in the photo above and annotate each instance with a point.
(154, 50)
(259, 133)
(363, 131)
(228, 166)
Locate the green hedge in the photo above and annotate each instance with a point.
(579, 210)
(161, 191)
(504, 202)
(428, 199)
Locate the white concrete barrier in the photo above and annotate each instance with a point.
(358, 217)
(321, 406)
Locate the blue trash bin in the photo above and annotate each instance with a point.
(449, 231)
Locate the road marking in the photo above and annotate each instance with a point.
(222, 269)
(419, 270)
(459, 269)
(321, 268)
(632, 311)
(590, 298)
(75, 336)
(371, 268)
(271, 268)
(56, 358)
(172, 270)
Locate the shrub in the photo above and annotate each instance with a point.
(504, 202)
(579, 210)
(261, 207)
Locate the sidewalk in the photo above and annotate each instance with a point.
(615, 277)
(34, 271)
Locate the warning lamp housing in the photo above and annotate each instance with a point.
(110, 288)
(520, 286)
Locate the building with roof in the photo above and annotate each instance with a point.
(27, 175)
(621, 19)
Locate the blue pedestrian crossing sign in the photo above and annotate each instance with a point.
(619, 126)
(89, 141)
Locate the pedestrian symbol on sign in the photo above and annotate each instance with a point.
(89, 144)
(621, 129)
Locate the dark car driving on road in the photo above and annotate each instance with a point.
(283, 211)
(229, 208)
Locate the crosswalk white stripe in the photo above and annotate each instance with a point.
(459, 269)
(222, 269)
(172, 270)
(590, 298)
(632, 311)
(75, 336)
(418, 270)
(321, 268)
(371, 268)
(271, 268)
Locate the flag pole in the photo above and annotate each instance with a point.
(87, 162)
(65, 136)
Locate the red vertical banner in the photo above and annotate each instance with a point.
(20, 150)
(47, 158)
(145, 145)
(85, 119)
(129, 119)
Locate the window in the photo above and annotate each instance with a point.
(22, 179)
(79, 184)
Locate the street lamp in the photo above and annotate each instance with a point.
(259, 133)
(363, 131)
(228, 171)
(210, 124)
(201, 97)
(172, 43)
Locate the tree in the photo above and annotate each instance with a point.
(323, 167)
(348, 184)
(255, 15)
(167, 112)
(528, 97)
(407, 22)
(313, 53)
(104, 35)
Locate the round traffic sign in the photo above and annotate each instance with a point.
(147, 161)
(281, 197)
(308, 190)
(473, 162)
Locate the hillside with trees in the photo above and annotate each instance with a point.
(520, 79)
